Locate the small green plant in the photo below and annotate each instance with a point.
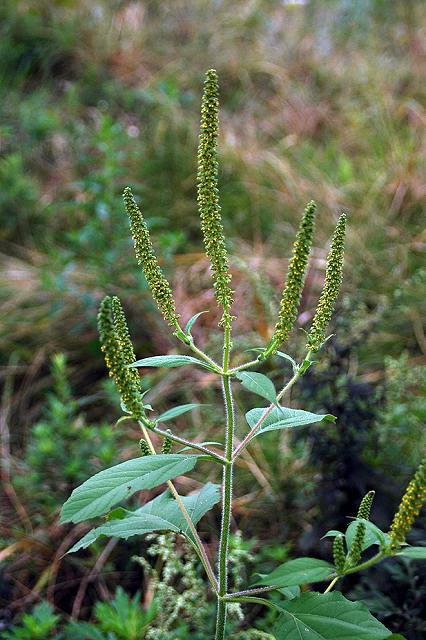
(38, 625)
(61, 444)
(335, 616)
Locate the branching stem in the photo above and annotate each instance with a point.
(188, 443)
(271, 407)
(198, 545)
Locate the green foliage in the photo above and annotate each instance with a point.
(102, 491)
(336, 136)
(299, 571)
(327, 616)
(284, 418)
(62, 447)
(400, 423)
(259, 384)
(38, 625)
(160, 514)
(169, 362)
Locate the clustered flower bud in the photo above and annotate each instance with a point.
(295, 280)
(365, 506)
(208, 199)
(116, 346)
(167, 444)
(333, 280)
(160, 288)
(409, 508)
(339, 553)
(143, 445)
(356, 549)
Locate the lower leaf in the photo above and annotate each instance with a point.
(330, 616)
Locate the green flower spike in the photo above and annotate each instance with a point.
(208, 199)
(160, 288)
(364, 510)
(113, 334)
(143, 445)
(333, 280)
(409, 508)
(365, 506)
(122, 332)
(295, 280)
(354, 555)
(339, 554)
(167, 444)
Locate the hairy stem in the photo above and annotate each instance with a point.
(198, 545)
(226, 488)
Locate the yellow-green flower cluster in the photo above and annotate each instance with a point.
(118, 352)
(295, 280)
(339, 555)
(160, 288)
(143, 445)
(167, 444)
(409, 508)
(333, 280)
(354, 555)
(208, 198)
(365, 506)
(364, 510)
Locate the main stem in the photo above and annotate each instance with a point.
(226, 489)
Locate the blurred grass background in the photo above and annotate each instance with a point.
(322, 100)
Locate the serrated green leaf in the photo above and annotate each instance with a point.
(177, 411)
(329, 616)
(299, 571)
(169, 362)
(160, 514)
(192, 321)
(373, 535)
(416, 553)
(259, 384)
(102, 491)
(284, 418)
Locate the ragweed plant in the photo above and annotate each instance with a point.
(301, 615)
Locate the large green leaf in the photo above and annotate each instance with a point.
(160, 514)
(284, 418)
(259, 384)
(168, 362)
(330, 616)
(299, 571)
(416, 553)
(102, 491)
(177, 411)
